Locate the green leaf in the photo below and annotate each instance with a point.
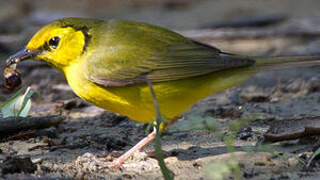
(315, 154)
(26, 103)
(17, 105)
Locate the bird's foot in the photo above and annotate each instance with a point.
(106, 164)
(93, 162)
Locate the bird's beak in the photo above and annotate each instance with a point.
(22, 55)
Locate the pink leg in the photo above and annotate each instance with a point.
(120, 160)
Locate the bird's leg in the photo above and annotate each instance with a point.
(120, 160)
(153, 132)
(145, 140)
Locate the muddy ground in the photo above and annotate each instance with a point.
(194, 146)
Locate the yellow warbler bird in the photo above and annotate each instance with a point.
(107, 64)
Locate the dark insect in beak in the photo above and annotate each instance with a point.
(12, 78)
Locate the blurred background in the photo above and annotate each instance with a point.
(25, 17)
(177, 14)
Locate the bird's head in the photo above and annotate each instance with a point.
(59, 43)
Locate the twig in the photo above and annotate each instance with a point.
(290, 129)
(22, 135)
(13, 125)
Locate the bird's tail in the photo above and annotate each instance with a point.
(286, 61)
(280, 62)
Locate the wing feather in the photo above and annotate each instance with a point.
(168, 56)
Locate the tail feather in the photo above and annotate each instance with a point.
(276, 62)
(281, 62)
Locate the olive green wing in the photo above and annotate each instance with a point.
(149, 52)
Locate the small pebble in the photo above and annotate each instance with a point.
(293, 161)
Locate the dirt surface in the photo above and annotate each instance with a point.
(195, 144)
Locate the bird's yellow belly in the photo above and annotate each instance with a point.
(174, 97)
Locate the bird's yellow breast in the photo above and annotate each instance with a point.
(135, 101)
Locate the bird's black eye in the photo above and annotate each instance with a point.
(54, 42)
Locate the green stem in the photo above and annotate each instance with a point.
(167, 174)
